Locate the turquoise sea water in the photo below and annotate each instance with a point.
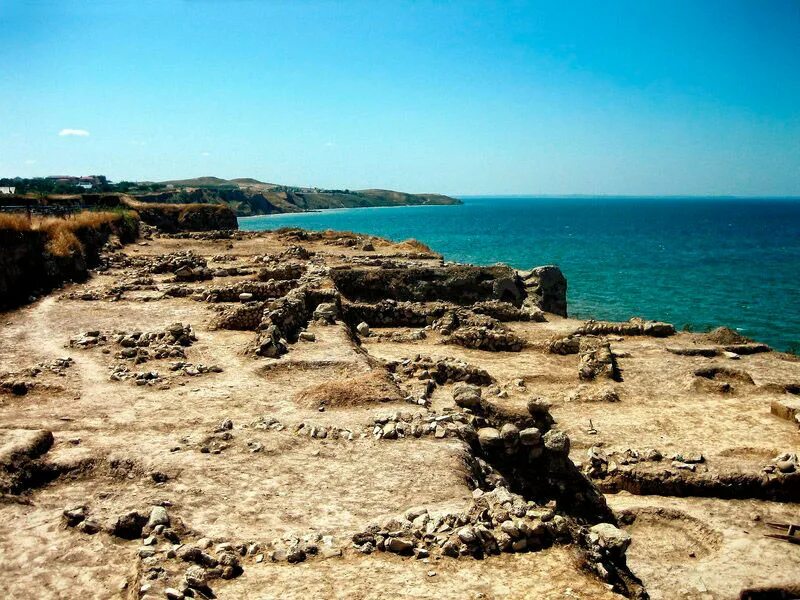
(696, 262)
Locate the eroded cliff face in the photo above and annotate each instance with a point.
(30, 267)
(173, 218)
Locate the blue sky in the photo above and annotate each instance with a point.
(615, 97)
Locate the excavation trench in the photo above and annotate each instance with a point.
(543, 473)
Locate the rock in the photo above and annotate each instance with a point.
(530, 436)
(538, 407)
(307, 336)
(89, 527)
(467, 396)
(489, 438)
(556, 441)
(389, 431)
(129, 526)
(196, 577)
(510, 434)
(611, 538)
(326, 311)
(173, 594)
(73, 516)
(785, 466)
(245, 297)
(450, 549)
(158, 516)
(467, 535)
(510, 529)
(363, 329)
(296, 554)
(399, 546)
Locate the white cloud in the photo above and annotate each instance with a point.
(205, 154)
(75, 132)
(330, 144)
(30, 161)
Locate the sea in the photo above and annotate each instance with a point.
(695, 262)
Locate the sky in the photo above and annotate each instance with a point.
(581, 97)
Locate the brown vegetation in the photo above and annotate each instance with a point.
(63, 233)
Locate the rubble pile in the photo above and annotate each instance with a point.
(462, 327)
(440, 370)
(141, 346)
(185, 266)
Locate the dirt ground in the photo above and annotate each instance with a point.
(222, 452)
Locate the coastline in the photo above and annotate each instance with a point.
(622, 258)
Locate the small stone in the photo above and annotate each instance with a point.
(173, 594)
(538, 407)
(399, 546)
(530, 436)
(278, 555)
(245, 297)
(467, 535)
(390, 431)
(196, 577)
(510, 433)
(363, 329)
(73, 516)
(89, 527)
(158, 516)
(611, 538)
(556, 441)
(489, 438)
(467, 396)
(510, 528)
(296, 554)
(785, 466)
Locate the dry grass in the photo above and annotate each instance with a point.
(62, 241)
(62, 238)
(14, 222)
(371, 388)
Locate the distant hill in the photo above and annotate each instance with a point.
(249, 196)
(200, 182)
